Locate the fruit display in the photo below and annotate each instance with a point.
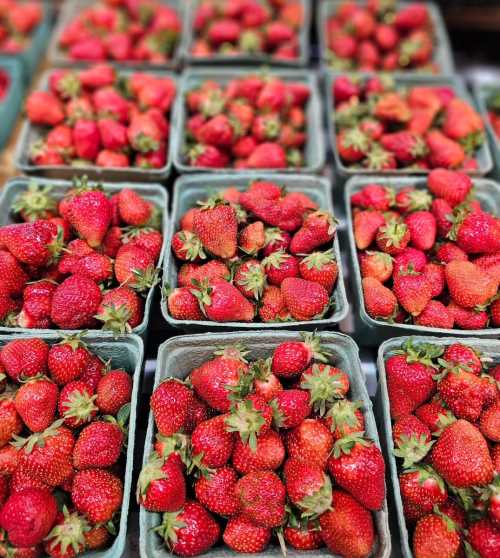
(18, 21)
(444, 404)
(428, 253)
(250, 121)
(493, 107)
(381, 36)
(249, 448)
(64, 411)
(85, 258)
(102, 117)
(385, 124)
(254, 252)
(145, 32)
(270, 31)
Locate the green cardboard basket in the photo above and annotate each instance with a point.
(179, 355)
(315, 145)
(482, 155)
(11, 103)
(152, 192)
(442, 49)
(374, 331)
(127, 353)
(490, 347)
(254, 58)
(189, 189)
(481, 94)
(30, 133)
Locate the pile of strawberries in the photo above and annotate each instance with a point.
(18, 21)
(431, 256)
(258, 254)
(250, 450)
(81, 262)
(97, 116)
(445, 404)
(63, 415)
(235, 27)
(146, 31)
(378, 36)
(493, 106)
(381, 126)
(253, 122)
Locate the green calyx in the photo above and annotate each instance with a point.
(323, 386)
(356, 139)
(70, 533)
(80, 406)
(69, 85)
(144, 279)
(152, 471)
(56, 246)
(253, 279)
(351, 113)
(237, 351)
(169, 526)
(272, 127)
(412, 449)
(36, 202)
(319, 259)
(393, 233)
(115, 318)
(177, 443)
(424, 353)
(191, 246)
(472, 142)
(346, 444)
(276, 259)
(247, 421)
(377, 158)
(144, 143)
(213, 104)
(417, 200)
(319, 502)
(38, 438)
(74, 340)
(313, 342)
(342, 415)
(294, 158)
(250, 42)
(272, 234)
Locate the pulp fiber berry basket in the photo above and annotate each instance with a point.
(250, 58)
(487, 346)
(190, 189)
(481, 94)
(30, 57)
(30, 133)
(71, 9)
(179, 355)
(127, 353)
(11, 103)
(482, 155)
(374, 331)
(152, 192)
(314, 153)
(442, 55)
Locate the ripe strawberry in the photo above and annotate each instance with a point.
(268, 155)
(366, 225)
(468, 318)
(448, 252)
(291, 358)
(303, 537)
(379, 301)
(308, 487)
(113, 391)
(484, 537)
(272, 306)
(377, 265)
(410, 259)
(12, 424)
(374, 196)
(347, 528)
(170, 403)
(435, 314)
(187, 246)
(67, 536)
(222, 302)
(86, 139)
(161, 486)
(134, 209)
(311, 442)
(443, 213)
(269, 454)
(216, 131)
(443, 152)
(467, 357)
(469, 285)
(183, 305)
(317, 229)
(291, 407)
(68, 359)
(98, 445)
(28, 516)
(24, 358)
(135, 267)
(412, 290)
(393, 237)
(251, 239)
(325, 384)
(121, 310)
(304, 299)
(412, 439)
(218, 492)
(243, 535)
(44, 108)
(435, 416)
(250, 279)
(36, 402)
(97, 493)
(279, 265)
(207, 156)
(189, 532)
(423, 229)
(477, 232)
(452, 186)
(406, 146)
(211, 439)
(489, 422)
(422, 489)
(89, 212)
(14, 277)
(352, 145)
(250, 418)
(216, 227)
(436, 531)
(76, 404)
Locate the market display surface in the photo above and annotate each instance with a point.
(229, 209)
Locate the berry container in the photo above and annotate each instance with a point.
(442, 48)
(314, 151)
(482, 155)
(179, 355)
(372, 331)
(30, 133)
(383, 413)
(152, 192)
(189, 189)
(127, 353)
(11, 103)
(250, 58)
(481, 94)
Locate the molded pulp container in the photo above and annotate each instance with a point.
(250, 58)
(11, 103)
(486, 346)
(481, 94)
(179, 355)
(71, 8)
(442, 48)
(482, 155)
(190, 189)
(314, 153)
(128, 354)
(152, 192)
(31, 56)
(30, 133)
(373, 331)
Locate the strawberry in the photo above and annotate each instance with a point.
(161, 486)
(377, 265)
(262, 498)
(67, 535)
(484, 537)
(187, 246)
(269, 454)
(86, 139)
(352, 145)
(190, 531)
(305, 300)
(183, 305)
(97, 493)
(243, 535)
(98, 445)
(317, 229)
(36, 402)
(267, 155)
(422, 488)
(35, 203)
(222, 302)
(436, 531)
(146, 237)
(251, 239)
(478, 232)
(379, 301)
(272, 306)
(366, 225)
(28, 516)
(135, 268)
(216, 227)
(462, 123)
(347, 529)
(452, 186)
(308, 487)
(111, 159)
(411, 199)
(462, 392)
(393, 237)
(121, 310)
(462, 355)
(24, 358)
(410, 258)
(325, 384)
(250, 279)
(406, 146)
(218, 492)
(311, 442)
(207, 156)
(89, 213)
(291, 407)
(291, 358)
(134, 209)
(374, 196)
(217, 132)
(435, 314)
(215, 444)
(435, 416)
(448, 252)
(44, 108)
(443, 152)
(11, 421)
(489, 421)
(68, 359)
(468, 285)
(423, 229)
(412, 439)
(412, 291)
(468, 318)
(113, 391)
(170, 403)
(76, 404)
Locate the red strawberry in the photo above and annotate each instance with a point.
(269, 454)
(113, 391)
(23, 358)
(412, 290)
(352, 145)
(406, 146)
(99, 445)
(135, 268)
(444, 152)
(318, 229)
(267, 155)
(435, 416)
(134, 209)
(68, 359)
(217, 131)
(377, 265)
(423, 229)
(211, 442)
(97, 493)
(291, 358)
(468, 285)
(448, 252)
(251, 239)
(222, 302)
(262, 498)
(311, 442)
(484, 537)
(183, 305)
(76, 404)
(379, 301)
(468, 318)
(75, 302)
(280, 265)
(89, 212)
(243, 535)
(393, 237)
(374, 196)
(12, 424)
(250, 279)
(436, 530)
(410, 258)
(44, 108)
(170, 403)
(477, 232)
(208, 156)
(345, 417)
(452, 186)
(121, 310)
(218, 492)
(304, 299)
(412, 439)
(216, 227)
(36, 402)
(435, 314)
(187, 246)
(366, 225)
(272, 306)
